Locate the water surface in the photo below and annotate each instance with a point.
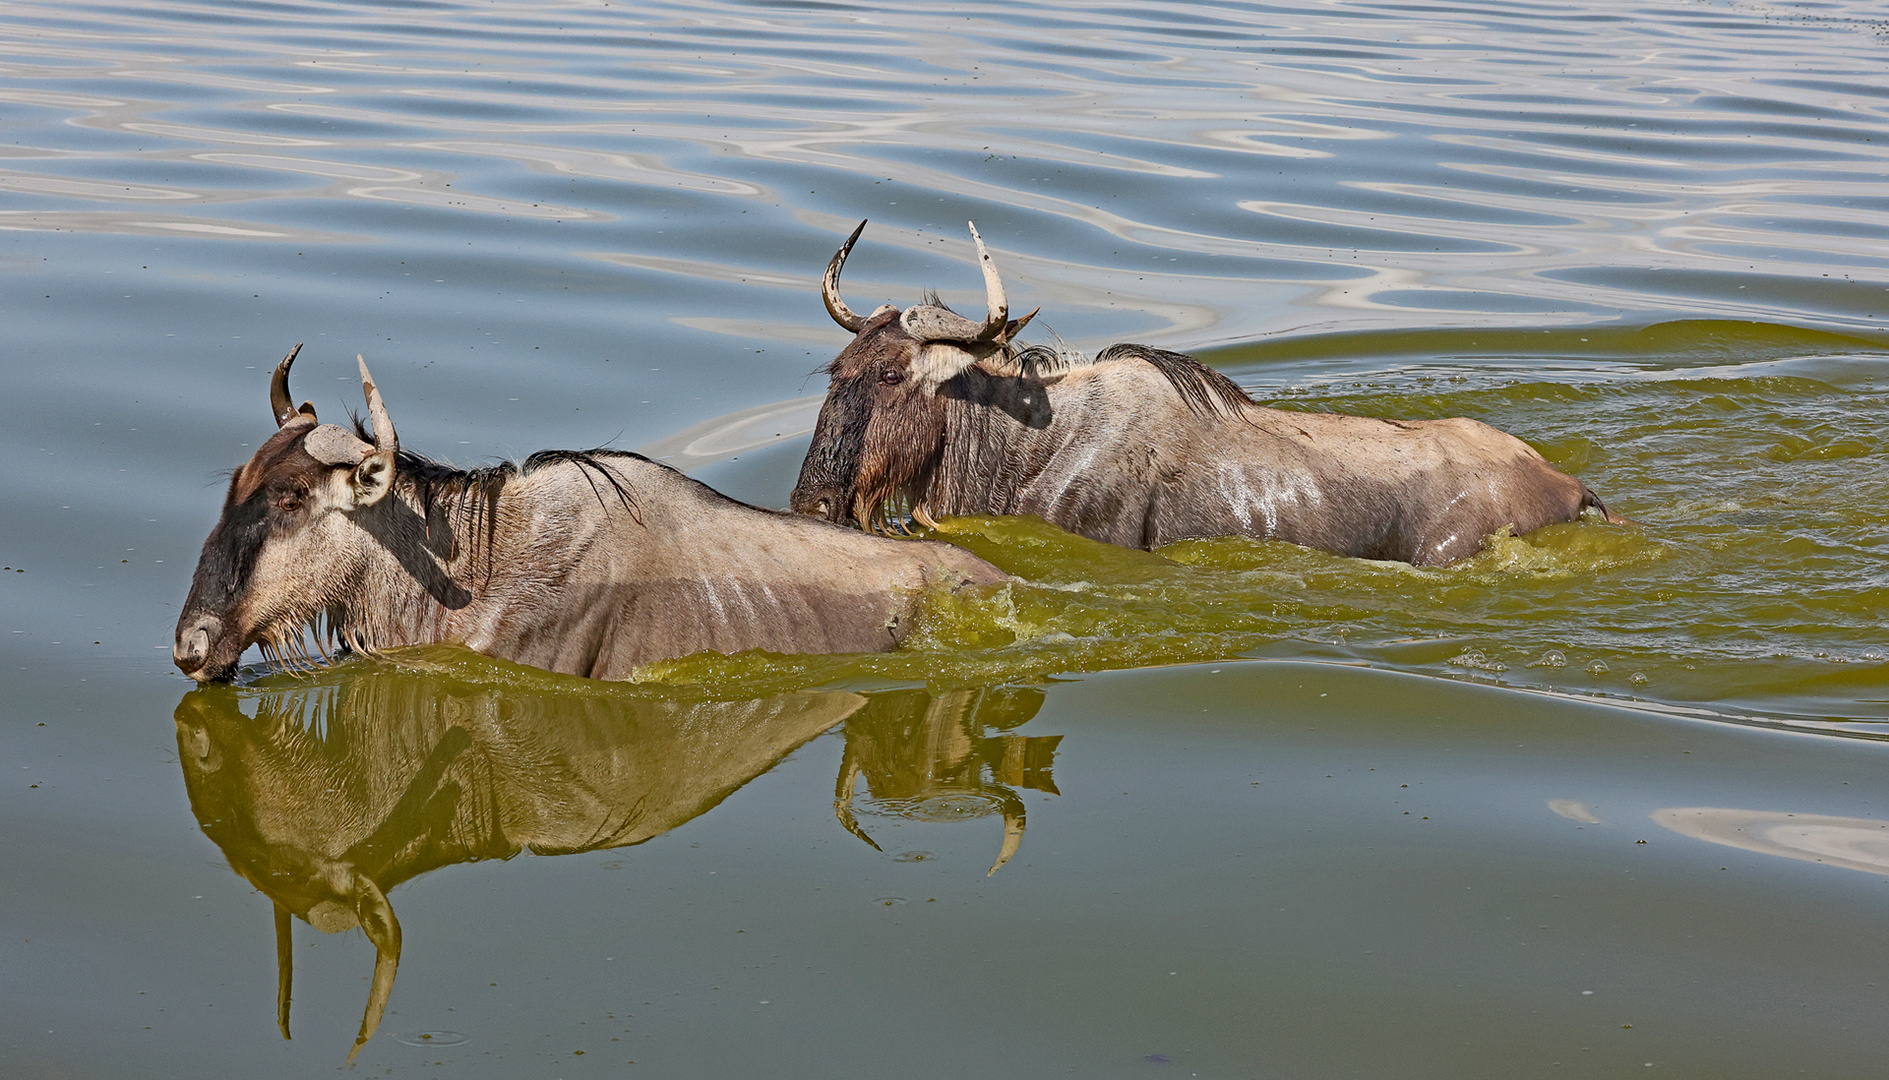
(1650, 239)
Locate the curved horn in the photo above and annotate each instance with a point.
(377, 920)
(279, 402)
(830, 286)
(284, 968)
(385, 441)
(997, 305)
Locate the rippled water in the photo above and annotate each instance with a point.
(1650, 239)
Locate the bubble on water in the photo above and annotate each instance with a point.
(433, 1038)
(913, 856)
(1477, 660)
(1638, 678)
(1598, 667)
(1551, 658)
(937, 806)
(890, 901)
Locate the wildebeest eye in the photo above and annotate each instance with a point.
(892, 376)
(288, 504)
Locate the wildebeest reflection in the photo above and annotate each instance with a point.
(342, 788)
(929, 758)
(934, 414)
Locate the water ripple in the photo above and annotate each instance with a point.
(1464, 162)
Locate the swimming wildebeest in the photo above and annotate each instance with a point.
(588, 563)
(933, 414)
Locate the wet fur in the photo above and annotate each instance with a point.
(1099, 448)
(589, 562)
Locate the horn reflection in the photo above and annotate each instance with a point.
(926, 757)
(346, 785)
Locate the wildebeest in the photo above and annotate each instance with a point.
(931, 413)
(583, 562)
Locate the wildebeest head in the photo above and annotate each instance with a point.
(279, 557)
(882, 427)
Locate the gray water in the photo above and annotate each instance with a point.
(1654, 239)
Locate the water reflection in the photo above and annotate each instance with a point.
(928, 758)
(327, 793)
(1849, 842)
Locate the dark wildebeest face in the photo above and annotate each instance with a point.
(882, 427)
(280, 556)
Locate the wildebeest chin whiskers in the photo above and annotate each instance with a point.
(300, 643)
(887, 512)
(288, 653)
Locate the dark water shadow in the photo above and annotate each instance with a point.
(327, 794)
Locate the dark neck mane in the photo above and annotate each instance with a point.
(1205, 391)
(1003, 456)
(445, 531)
(467, 498)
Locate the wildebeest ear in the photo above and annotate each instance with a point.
(373, 478)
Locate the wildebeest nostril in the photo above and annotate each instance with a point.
(192, 647)
(812, 506)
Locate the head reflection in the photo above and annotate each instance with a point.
(927, 756)
(328, 793)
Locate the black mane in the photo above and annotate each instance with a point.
(1205, 391)
(466, 498)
